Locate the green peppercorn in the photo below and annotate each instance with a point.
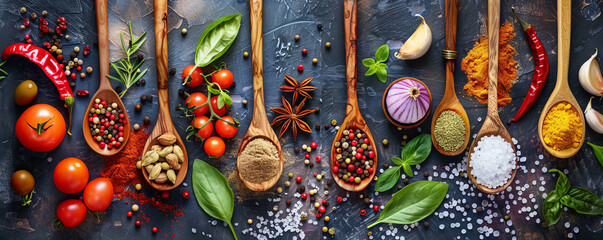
(385, 142)
(332, 231)
(184, 31)
(245, 54)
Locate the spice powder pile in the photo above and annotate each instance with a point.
(562, 127)
(259, 161)
(449, 131)
(475, 65)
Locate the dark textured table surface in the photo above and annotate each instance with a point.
(379, 22)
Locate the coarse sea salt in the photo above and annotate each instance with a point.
(492, 152)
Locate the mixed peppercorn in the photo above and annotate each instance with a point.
(106, 123)
(354, 158)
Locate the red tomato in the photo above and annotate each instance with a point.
(70, 175)
(214, 146)
(98, 194)
(197, 99)
(206, 131)
(40, 128)
(224, 129)
(71, 212)
(195, 78)
(223, 78)
(214, 107)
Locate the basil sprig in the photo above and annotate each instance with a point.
(598, 152)
(216, 39)
(213, 193)
(413, 203)
(415, 152)
(377, 65)
(579, 199)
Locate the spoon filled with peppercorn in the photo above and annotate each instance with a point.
(353, 154)
(562, 93)
(105, 125)
(492, 126)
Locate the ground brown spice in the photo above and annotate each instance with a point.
(259, 161)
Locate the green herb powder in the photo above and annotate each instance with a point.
(449, 131)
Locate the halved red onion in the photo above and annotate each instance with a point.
(407, 101)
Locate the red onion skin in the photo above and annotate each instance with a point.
(402, 107)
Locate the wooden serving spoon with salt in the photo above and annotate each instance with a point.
(450, 101)
(353, 118)
(105, 91)
(562, 92)
(492, 125)
(259, 127)
(164, 122)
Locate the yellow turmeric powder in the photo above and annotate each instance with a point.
(562, 127)
(475, 65)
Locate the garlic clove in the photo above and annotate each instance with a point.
(593, 118)
(590, 76)
(418, 43)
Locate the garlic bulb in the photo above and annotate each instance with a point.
(593, 118)
(418, 43)
(590, 76)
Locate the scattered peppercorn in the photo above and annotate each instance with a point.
(184, 31)
(143, 82)
(138, 222)
(22, 27)
(118, 89)
(467, 206)
(130, 213)
(296, 37)
(479, 209)
(300, 68)
(149, 98)
(367, 201)
(303, 217)
(327, 218)
(244, 102)
(172, 71)
(426, 224)
(23, 10)
(319, 27)
(406, 181)
(304, 51)
(425, 174)
(135, 207)
(249, 221)
(296, 149)
(136, 127)
(138, 186)
(332, 231)
(385, 142)
(72, 84)
(76, 49)
(147, 120)
(326, 126)
(33, 16)
(186, 195)
(399, 186)
(325, 229)
(314, 60)
(143, 98)
(288, 201)
(328, 44)
(298, 179)
(376, 208)
(317, 126)
(245, 54)
(154, 229)
(138, 107)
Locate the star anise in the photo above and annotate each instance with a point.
(288, 116)
(298, 89)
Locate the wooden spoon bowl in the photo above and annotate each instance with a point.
(259, 127)
(389, 117)
(562, 92)
(105, 92)
(164, 120)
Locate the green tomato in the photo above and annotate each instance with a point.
(25, 92)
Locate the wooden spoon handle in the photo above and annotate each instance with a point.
(493, 32)
(349, 15)
(451, 13)
(255, 16)
(564, 18)
(161, 52)
(102, 25)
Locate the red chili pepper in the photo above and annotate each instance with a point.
(541, 68)
(51, 68)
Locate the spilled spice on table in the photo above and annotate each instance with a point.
(475, 65)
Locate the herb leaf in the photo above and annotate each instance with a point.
(216, 39)
(563, 184)
(413, 203)
(397, 160)
(382, 53)
(372, 70)
(583, 201)
(417, 150)
(368, 62)
(598, 152)
(407, 169)
(551, 209)
(387, 179)
(128, 68)
(376, 66)
(382, 74)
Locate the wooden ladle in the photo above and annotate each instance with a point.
(353, 118)
(449, 100)
(259, 127)
(562, 92)
(105, 91)
(164, 122)
(492, 125)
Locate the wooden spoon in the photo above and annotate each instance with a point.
(164, 120)
(105, 91)
(450, 101)
(353, 118)
(260, 127)
(562, 92)
(492, 125)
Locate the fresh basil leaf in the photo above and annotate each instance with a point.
(598, 152)
(382, 53)
(372, 70)
(413, 203)
(216, 39)
(382, 65)
(552, 208)
(407, 169)
(382, 74)
(583, 201)
(417, 149)
(397, 160)
(368, 62)
(388, 179)
(563, 184)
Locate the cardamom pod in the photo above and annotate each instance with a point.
(156, 147)
(152, 158)
(139, 164)
(165, 166)
(171, 175)
(178, 151)
(155, 172)
(162, 178)
(167, 139)
(172, 159)
(166, 150)
(149, 168)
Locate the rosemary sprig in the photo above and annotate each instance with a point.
(2, 71)
(128, 68)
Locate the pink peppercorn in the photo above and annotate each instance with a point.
(318, 158)
(313, 145)
(304, 195)
(298, 179)
(322, 209)
(300, 68)
(335, 169)
(376, 208)
(307, 156)
(304, 51)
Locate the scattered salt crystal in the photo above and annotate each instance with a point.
(576, 229)
(567, 225)
(544, 169)
(194, 230)
(479, 119)
(442, 226)
(49, 159)
(570, 235)
(540, 157)
(537, 162)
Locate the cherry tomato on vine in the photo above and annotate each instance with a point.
(214, 146)
(98, 194)
(224, 129)
(197, 99)
(214, 107)
(195, 78)
(70, 175)
(206, 131)
(71, 212)
(40, 128)
(223, 78)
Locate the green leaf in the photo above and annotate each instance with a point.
(382, 74)
(216, 39)
(388, 179)
(407, 169)
(583, 201)
(213, 90)
(598, 152)
(212, 192)
(413, 203)
(417, 149)
(382, 65)
(563, 184)
(382, 53)
(227, 99)
(372, 70)
(368, 62)
(552, 208)
(397, 160)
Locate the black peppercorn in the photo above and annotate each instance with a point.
(479, 209)
(140, 57)
(147, 120)
(172, 71)
(406, 181)
(326, 186)
(399, 186)
(138, 82)
(143, 98)
(118, 89)
(385, 165)
(319, 27)
(73, 55)
(143, 81)
(317, 126)
(296, 149)
(72, 83)
(367, 201)
(311, 165)
(326, 126)
(329, 183)
(138, 107)
(316, 110)
(426, 224)
(425, 174)
(288, 201)
(149, 98)
(467, 206)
